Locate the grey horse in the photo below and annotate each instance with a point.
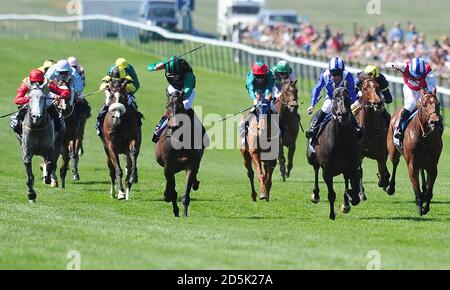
(38, 137)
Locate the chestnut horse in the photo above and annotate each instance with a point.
(261, 148)
(337, 152)
(375, 128)
(180, 148)
(287, 107)
(121, 135)
(422, 147)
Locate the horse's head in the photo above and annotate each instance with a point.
(174, 106)
(118, 101)
(371, 94)
(289, 96)
(341, 106)
(430, 110)
(36, 105)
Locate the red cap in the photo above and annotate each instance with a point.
(36, 76)
(260, 68)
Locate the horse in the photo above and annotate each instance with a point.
(70, 142)
(375, 127)
(176, 150)
(38, 137)
(337, 152)
(287, 106)
(422, 147)
(121, 135)
(261, 149)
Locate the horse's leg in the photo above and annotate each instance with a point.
(331, 194)
(128, 178)
(431, 178)
(414, 177)
(394, 155)
(30, 178)
(64, 165)
(291, 151)
(315, 198)
(346, 205)
(256, 159)
(186, 199)
(170, 193)
(354, 193)
(424, 182)
(269, 168)
(112, 175)
(362, 190)
(73, 153)
(250, 173)
(119, 175)
(282, 161)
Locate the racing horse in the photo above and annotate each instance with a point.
(337, 152)
(422, 147)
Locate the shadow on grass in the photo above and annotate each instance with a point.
(397, 218)
(90, 182)
(413, 202)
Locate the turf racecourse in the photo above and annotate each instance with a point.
(225, 229)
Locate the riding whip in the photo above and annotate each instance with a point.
(241, 111)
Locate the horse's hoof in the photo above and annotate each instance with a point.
(32, 201)
(345, 209)
(332, 217)
(47, 180)
(390, 190)
(314, 199)
(264, 196)
(425, 210)
(254, 197)
(121, 195)
(196, 185)
(166, 198)
(54, 184)
(76, 177)
(362, 196)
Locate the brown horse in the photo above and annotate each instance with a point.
(287, 107)
(121, 135)
(422, 147)
(261, 148)
(337, 152)
(375, 128)
(180, 147)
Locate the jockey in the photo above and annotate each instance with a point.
(259, 84)
(372, 71)
(36, 77)
(181, 78)
(333, 77)
(129, 69)
(82, 105)
(118, 74)
(417, 76)
(63, 74)
(282, 71)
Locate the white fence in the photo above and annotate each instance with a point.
(220, 56)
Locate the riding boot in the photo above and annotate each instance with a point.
(56, 119)
(358, 130)
(401, 124)
(159, 128)
(315, 122)
(243, 125)
(100, 119)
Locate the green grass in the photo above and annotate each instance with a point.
(225, 229)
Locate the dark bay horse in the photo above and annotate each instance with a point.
(287, 107)
(422, 147)
(180, 147)
(337, 152)
(38, 137)
(121, 135)
(261, 149)
(375, 127)
(70, 141)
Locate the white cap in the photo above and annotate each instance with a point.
(73, 61)
(63, 65)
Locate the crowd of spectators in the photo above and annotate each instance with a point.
(375, 45)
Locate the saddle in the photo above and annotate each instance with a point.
(322, 125)
(397, 142)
